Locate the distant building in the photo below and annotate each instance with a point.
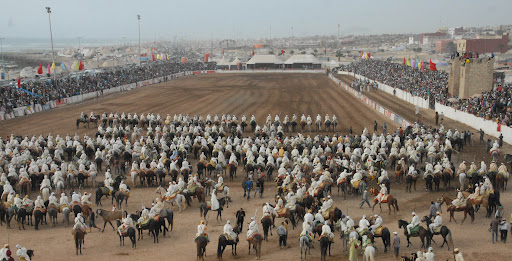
(446, 46)
(455, 31)
(487, 45)
(414, 39)
(430, 38)
(467, 78)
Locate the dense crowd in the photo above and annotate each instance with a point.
(492, 105)
(68, 86)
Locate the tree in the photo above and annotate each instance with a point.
(316, 51)
(271, 52)
(292, 52)
(339, 54)
(303, 52)
(418, 50)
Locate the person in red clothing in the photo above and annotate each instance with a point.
(5, 253)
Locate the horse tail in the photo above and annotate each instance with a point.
(449, 239)
(396, 205)
(219, 250)
(201, 211)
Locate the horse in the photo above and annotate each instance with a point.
(232, 171)
(444, 232)
(422, 233)
(152, 226)
(79, 240)
(386, 238)
(392, 202)
(180, 199)
(256, 242)
(108, 217)
(52, 213)
(224, 241)
(21, 217)
(451, 208)
(325, 244)
(410, 181)
(38, 215)
(100, 192)
(305, 244)
(130, 233)
(120, 197)
(201, 242)
(369, 253)
(266, 223)
(204, 208)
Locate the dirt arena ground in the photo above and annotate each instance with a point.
(258, 94)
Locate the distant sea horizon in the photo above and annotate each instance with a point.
(21, 44)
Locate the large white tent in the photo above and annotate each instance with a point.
(297, 61)
(264, 61)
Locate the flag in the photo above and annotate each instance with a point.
(158, 57)
(282, 51)
(369, 55)
(419, 65)
(363, 55)
(77, 65)
(422, 64)
(80, 66)
(19, 80)
(53, 65)
(433, 66)
(404, 61)
(413, 63)
(40, 69)
(49, 70)
(253, 52)
(153, 55)
(325, 51)
(408, 62)
(63, 66)
(222, 51)
(167, 57)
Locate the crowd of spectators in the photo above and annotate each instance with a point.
(71, 85)
(495, 105)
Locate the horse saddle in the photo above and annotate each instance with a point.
(76, 204)
(53, 206)
(437, 230)
(342, 181)
(355, 184)
(172, 196)
(385, 199)
(363, 232)
(78, 229)
(326, 213)
(126, 194)
(106, 191)
(209, 204)
(220, 188)
(228, 237)
(192, 188)
(282, 212)
(415, 230)
(40, 209)
(378, 231)
(145, 222)
(62, 207)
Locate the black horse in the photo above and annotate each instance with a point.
(204, 208)
(224, 242)
(152, 226)
(39, 216)
(445, 233)
(130, 233)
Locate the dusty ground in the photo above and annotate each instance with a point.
(249, 94)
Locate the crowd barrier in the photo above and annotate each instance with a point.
(270, 71)
(489, 127)
(376, 106)
(27, 110)
(415, 100)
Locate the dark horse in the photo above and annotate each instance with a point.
(152, 226)
(386, 238)
(445, 233)
(223, 242)
(204, 208)
(422, 233)
(325, 244)
(130, 233)
(201, 242)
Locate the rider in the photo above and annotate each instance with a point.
(459, 201)
(127, 223)
(326, 231)
(79, 223)
(86, 199)
(363, 224)
(438, 222)
(377, 223)
(383, 192)
(228, 230)
(326, 206)
(414, 222)
(39, 203)
(252, 229)
(214, 202)
(53, 200)
(201, 230)
(75, 198)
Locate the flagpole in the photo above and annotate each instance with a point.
(138, 18)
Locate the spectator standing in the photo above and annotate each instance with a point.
(494, 228)
(504, 230)
(482, 135)
(433, 210)
(396, 244)
(240, 216)
(457, 255)
(437, 118)
(282, 231)
(365, 199)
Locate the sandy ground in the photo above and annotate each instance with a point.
(249, 94)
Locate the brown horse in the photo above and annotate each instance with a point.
(391, 202)
(256, 242)
(201, 243)
(25, 187)
(109, 216)
(451, 208)
(501, 182)
(399, 173)
(79, 236)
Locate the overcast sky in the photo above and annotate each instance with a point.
(204, 19)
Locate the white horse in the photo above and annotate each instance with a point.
(180, 200)
(462, 180)
(92, 175)
(369, 253)
(134, 176)
(46, 193)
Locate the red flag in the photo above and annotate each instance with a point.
(153, 55)
(325, 51)
(404, 61)
(282, 51)
(80, 66)
(222, 51)
(369, 55)
(19, 80)
(253, 52)
(433, 66)
(40, 69)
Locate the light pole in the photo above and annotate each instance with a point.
(2, 51)
(51, 34)
(79, 38)
(138, 18)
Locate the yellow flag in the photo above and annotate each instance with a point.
(53, 65)
(408, 63)
(77, 64)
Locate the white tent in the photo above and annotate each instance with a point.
(302, 60)
(264, 61)
(223, 63)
